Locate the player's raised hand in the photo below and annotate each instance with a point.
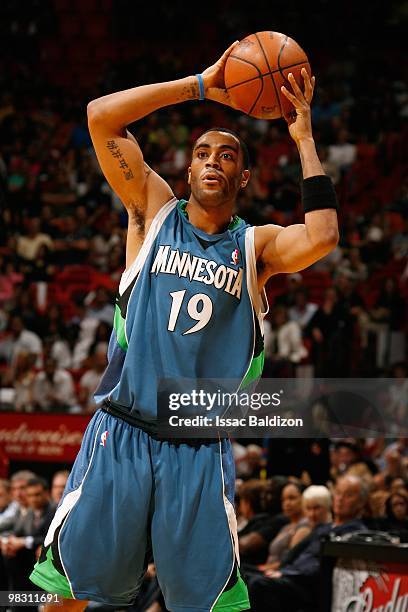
(300, 122)
(213, 78)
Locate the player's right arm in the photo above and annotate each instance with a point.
(142, 191)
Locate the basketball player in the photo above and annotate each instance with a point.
(190, 305)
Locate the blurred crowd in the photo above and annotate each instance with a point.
(282, 518)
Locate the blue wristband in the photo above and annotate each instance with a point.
(200, 86)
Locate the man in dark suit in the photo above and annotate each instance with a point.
(20, 548)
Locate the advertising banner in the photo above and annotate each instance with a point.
(366, 586)
(41, 437)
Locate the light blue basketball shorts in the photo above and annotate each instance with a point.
(129, 494)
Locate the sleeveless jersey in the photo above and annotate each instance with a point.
(188, 307)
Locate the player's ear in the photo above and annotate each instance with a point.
(189, 175)
(245, 178)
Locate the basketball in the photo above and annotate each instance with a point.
(256, 70)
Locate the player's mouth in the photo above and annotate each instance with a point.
(211, 178)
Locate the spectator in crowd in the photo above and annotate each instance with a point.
(292, 508)
(24, 341)
(327, 330)
(343, 153)
(90, 380)
(400, 445)
(8, 279)
(293, 282)
(248, 460)
(296, 584)
(395, 517)
(250, 510)
(283, 344)
(9, 508)
(302, 310)
(59, 480)
(108, 236)
(24, 377)
(21, 548)
(352, 266)
(253, 544)
(316, 501)
(72, 247)
(54, 389)
(346, 458)
(388, 317)
(28, 245)
(398, 395)
(330, 167)
(100, 306)
(395, 466)
(8, 513)
(18, 483)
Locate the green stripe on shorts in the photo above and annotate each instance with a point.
(235, 599)
(46, 576)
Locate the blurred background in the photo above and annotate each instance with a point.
(63, 231)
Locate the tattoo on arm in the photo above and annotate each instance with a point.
(189, 92)
(115, 151)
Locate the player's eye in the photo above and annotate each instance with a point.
(226, 155)
(202, 154)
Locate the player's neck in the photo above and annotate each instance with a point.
(209, 219)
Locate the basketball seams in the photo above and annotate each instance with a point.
(257, 97)
(241, 59)
(279, 58)
(272, 79)
(261, 76)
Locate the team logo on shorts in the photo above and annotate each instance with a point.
(234, 257)
(104, 437)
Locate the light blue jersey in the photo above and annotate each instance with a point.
(188, 307)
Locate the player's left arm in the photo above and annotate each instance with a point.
(293, 248)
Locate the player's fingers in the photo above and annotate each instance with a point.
(308, 86)
(290, 96)
(296, 89)
(226, 53)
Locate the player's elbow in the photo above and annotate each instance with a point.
(94, 111)
(328, 241)
(333, 238)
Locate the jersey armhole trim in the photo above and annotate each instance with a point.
(259, 300)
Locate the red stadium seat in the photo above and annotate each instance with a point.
(96, 26)
(70, 25)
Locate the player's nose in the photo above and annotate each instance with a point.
(212, 161)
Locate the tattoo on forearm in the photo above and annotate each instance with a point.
(189, 92)
(117, 154)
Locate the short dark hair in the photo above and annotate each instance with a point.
(251, 492)
(34, 482)
(243, 147)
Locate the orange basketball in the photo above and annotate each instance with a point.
(257, 68)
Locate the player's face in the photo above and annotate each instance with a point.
(216, 173)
